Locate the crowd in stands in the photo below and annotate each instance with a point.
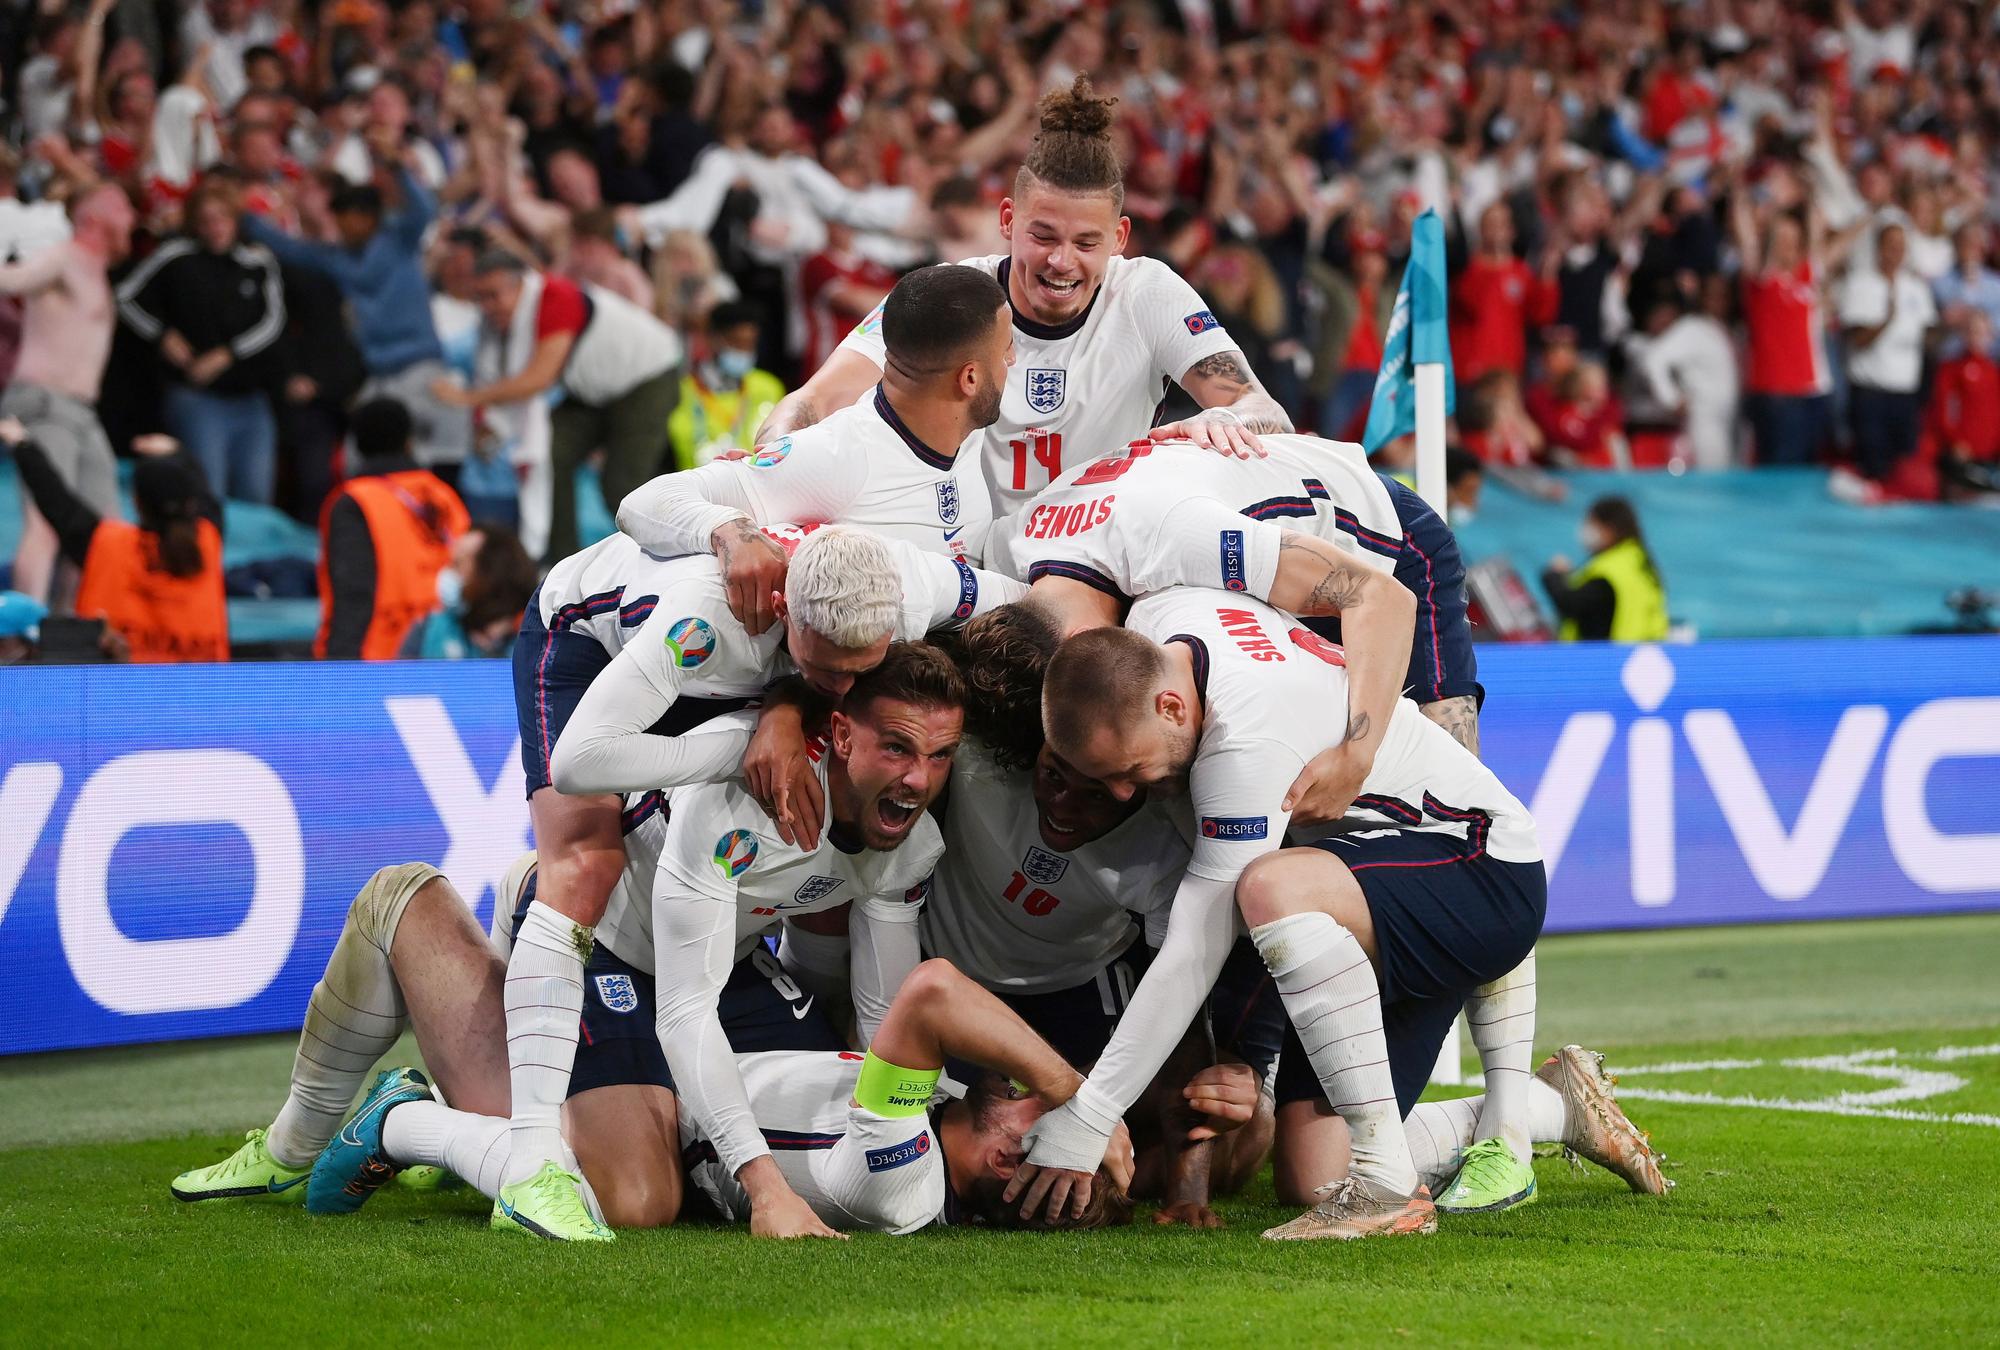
(1690, 236)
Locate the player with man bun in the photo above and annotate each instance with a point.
(1098, 336)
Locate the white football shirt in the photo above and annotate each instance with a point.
(725, 875)
(1087, 387)
(1020, 917)
(668, 622)
(859, 466)
(1175, 514)
(856, 1169)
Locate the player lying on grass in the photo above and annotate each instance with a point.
(1036, 896)
(628, 646)
(857, 1135)
(1439, 883)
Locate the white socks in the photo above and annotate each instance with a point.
(474, 1147)
(1330, 993)
(355, 1015)
(1438, 1130)
(1502, 1018)
(544, 1000)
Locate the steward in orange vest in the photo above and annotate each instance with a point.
(158, 584)
(384, 536)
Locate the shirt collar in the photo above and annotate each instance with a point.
(1044, 332)
(917, 447)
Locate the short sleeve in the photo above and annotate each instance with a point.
(865, 338)
(1184, 330)
(1237, 791)
(563, 308)
(885, 1174)
(1201, 542)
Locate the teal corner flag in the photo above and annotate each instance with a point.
(1417, 336)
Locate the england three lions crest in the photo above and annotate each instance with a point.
(617, 993)
(1045, 390)
(1043, 867)
(947, 492)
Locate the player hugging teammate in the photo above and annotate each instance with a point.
(894, 869)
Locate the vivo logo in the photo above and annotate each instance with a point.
(487, 828)
(1789, 863)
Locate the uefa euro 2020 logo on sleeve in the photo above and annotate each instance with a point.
(690, 642)
(734, 853)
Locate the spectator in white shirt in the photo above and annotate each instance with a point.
(1887, 312)
(1688, 360)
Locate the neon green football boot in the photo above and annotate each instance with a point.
(1490, 1178)
(249, 1171)
(549, 1204)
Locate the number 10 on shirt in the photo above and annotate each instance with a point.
(1045, 447)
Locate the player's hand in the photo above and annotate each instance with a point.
(1217, 429)
(1226, 1095)
(1056, 1193)
(780, 776)
(1327, 785)
(753, 573)
(1119, 1162)
(1192, 1213)
(785, 1215)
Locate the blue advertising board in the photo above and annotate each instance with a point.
(178, 846)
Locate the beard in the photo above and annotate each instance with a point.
(985, 408)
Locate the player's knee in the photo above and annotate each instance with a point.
(379, 905)
(1273, 886)
(579, 883)
(643, 1200)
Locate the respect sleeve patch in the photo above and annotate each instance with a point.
(897, 1155)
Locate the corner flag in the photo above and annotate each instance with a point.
(1417, 336)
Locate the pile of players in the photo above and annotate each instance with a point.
(977, 804)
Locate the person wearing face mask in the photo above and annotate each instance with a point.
(1617, 594)
(726, 396)
(481, 595)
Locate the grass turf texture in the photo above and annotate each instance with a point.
(1786, 1227)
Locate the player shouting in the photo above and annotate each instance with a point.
(1098, 336)
(636, 646)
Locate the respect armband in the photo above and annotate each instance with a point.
(891, 1091)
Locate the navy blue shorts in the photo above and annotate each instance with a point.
(1442, 664)
(619, 1044)
(1078, 1021)
(553, 666)
(1448, 918)
(1244, 1011)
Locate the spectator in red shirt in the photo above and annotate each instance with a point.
(838, 287)
(1588, 427)
(1964, 414)
(1495, 300)
(1786, 391)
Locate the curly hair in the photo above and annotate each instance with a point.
(1002, 654)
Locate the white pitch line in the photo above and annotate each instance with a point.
(1826, 1108)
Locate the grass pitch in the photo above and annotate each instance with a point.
(1828, 1097)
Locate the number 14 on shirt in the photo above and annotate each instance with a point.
(1046, 449)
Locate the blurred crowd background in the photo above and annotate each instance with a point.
(1690, 237)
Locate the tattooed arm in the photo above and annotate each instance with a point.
(845, 376)
(1459, 716)
(1377, 614)
(1236, 408)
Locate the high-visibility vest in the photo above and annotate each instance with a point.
(1639, 612)
(413, 516)
(162, 617)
